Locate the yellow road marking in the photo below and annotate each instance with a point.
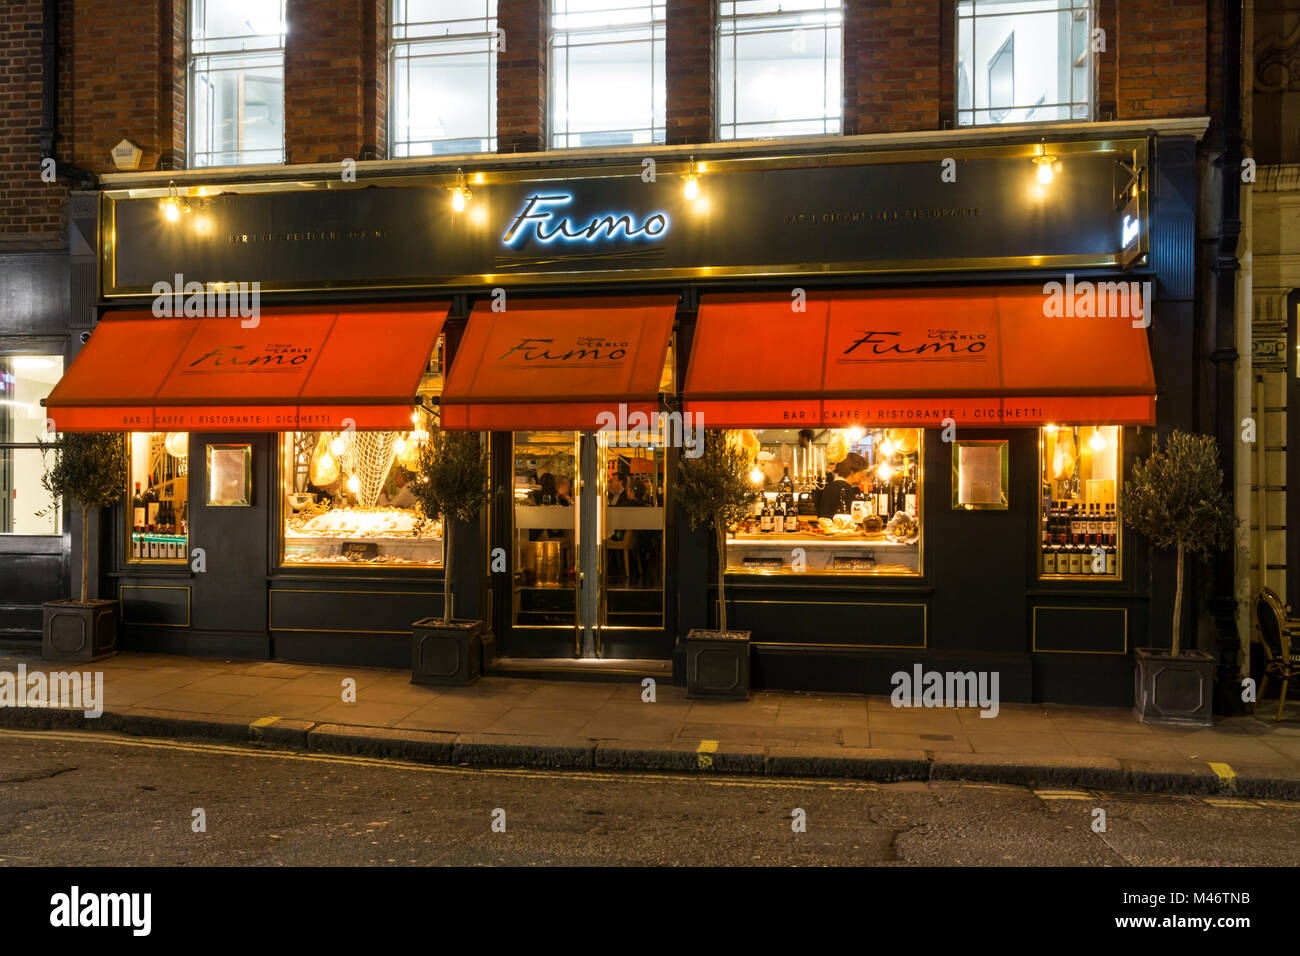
(262, 722)
(1063, 795)
(1280, 804)
(1222, 802)
(390, 764)
(1225, 773)
(704, 754)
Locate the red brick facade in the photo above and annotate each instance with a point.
(332, 56)
(124, 75)
(689, 53)
(30, 209)
(521, 76)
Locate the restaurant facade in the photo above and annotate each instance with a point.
(980, 333)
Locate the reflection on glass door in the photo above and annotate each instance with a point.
(545, 472)
(632, 539)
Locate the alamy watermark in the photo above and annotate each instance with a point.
(637, 429)
(922, 688)
(1100, 300)
(74, 690)
(181, 299)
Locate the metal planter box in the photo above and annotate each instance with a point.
(717, 665)
(1173, 690)
(79, 632)
(444, 655)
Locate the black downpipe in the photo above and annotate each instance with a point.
(1223, 603)
(83, 179)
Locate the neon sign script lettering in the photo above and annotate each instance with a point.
(537, 220)
(1129, 231)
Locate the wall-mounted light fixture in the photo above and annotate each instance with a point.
(1043, 160)
(174, 204)
(460, 193)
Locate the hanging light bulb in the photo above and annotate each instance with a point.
(884, 472)
(460, 193)
(1043, 160)
(337, 445)
(887, 448)
(399, 446)
(692, 189)
(756, 475)
(1098, 441)
(353, 484)
(856, 434)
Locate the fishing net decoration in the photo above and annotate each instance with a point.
(368, 456)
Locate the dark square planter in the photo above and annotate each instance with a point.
(444, 655)
(79, 632)
(717, 665)
(1173, 690)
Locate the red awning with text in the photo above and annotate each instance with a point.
(558, 363)
(292, 368)
(979, 356)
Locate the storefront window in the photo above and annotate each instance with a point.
(833, 501)
(158, 516)
(347, 498)
(24, 381)
(1079, 518)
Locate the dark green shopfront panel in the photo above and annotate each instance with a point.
(842, 620)
(1084, 629)
(162, 605)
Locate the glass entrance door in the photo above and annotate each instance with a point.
(588, 543)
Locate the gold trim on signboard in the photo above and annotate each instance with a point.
(1053, 607)
(189, 599)
(1127, 147)
(247, 500)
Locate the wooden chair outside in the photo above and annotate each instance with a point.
(1278, 632)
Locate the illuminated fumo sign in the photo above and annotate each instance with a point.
(537, 220)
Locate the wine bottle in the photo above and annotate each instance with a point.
(765, 518)
(909, 494)
(138, 508)
(151, 503)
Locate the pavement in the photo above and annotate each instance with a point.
(583, 725)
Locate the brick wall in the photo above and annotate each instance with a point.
(1161, 56)
(689, 52)
(30, 210)
(331, 60)
(521, 76)
(899, 65)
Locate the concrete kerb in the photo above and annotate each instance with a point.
(559, 753)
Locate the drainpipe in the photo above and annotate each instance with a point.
(1246, 584)
(1224, 358)
(81, 178)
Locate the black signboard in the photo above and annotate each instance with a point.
(838, 214)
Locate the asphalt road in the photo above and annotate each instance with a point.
(132, 801)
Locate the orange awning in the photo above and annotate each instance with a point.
(297, 368)
(558, 363)
(980, 356)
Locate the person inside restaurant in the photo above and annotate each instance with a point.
(838, 496)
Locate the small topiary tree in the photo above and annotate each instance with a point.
(715, 487)
(90, 469)
(452, 482)
(1175, 498)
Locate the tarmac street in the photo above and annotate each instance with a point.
(94, 798)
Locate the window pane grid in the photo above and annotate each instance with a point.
(442, 56)
(1024, 61)
(236, 82)
(779, 66)
(608, 76)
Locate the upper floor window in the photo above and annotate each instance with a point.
(236, 82)
(607, 72)
(780, 68)
(443, 77)
(1024, 61)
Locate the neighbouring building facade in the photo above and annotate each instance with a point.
(944, 268)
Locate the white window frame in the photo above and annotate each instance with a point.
(658, 27)
(459, 30)
(727, 31)
(192, 74)
(1089, 7)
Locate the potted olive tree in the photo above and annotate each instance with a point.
(715, 489)
(452, 484)
(1175, 499)
(90, 470)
